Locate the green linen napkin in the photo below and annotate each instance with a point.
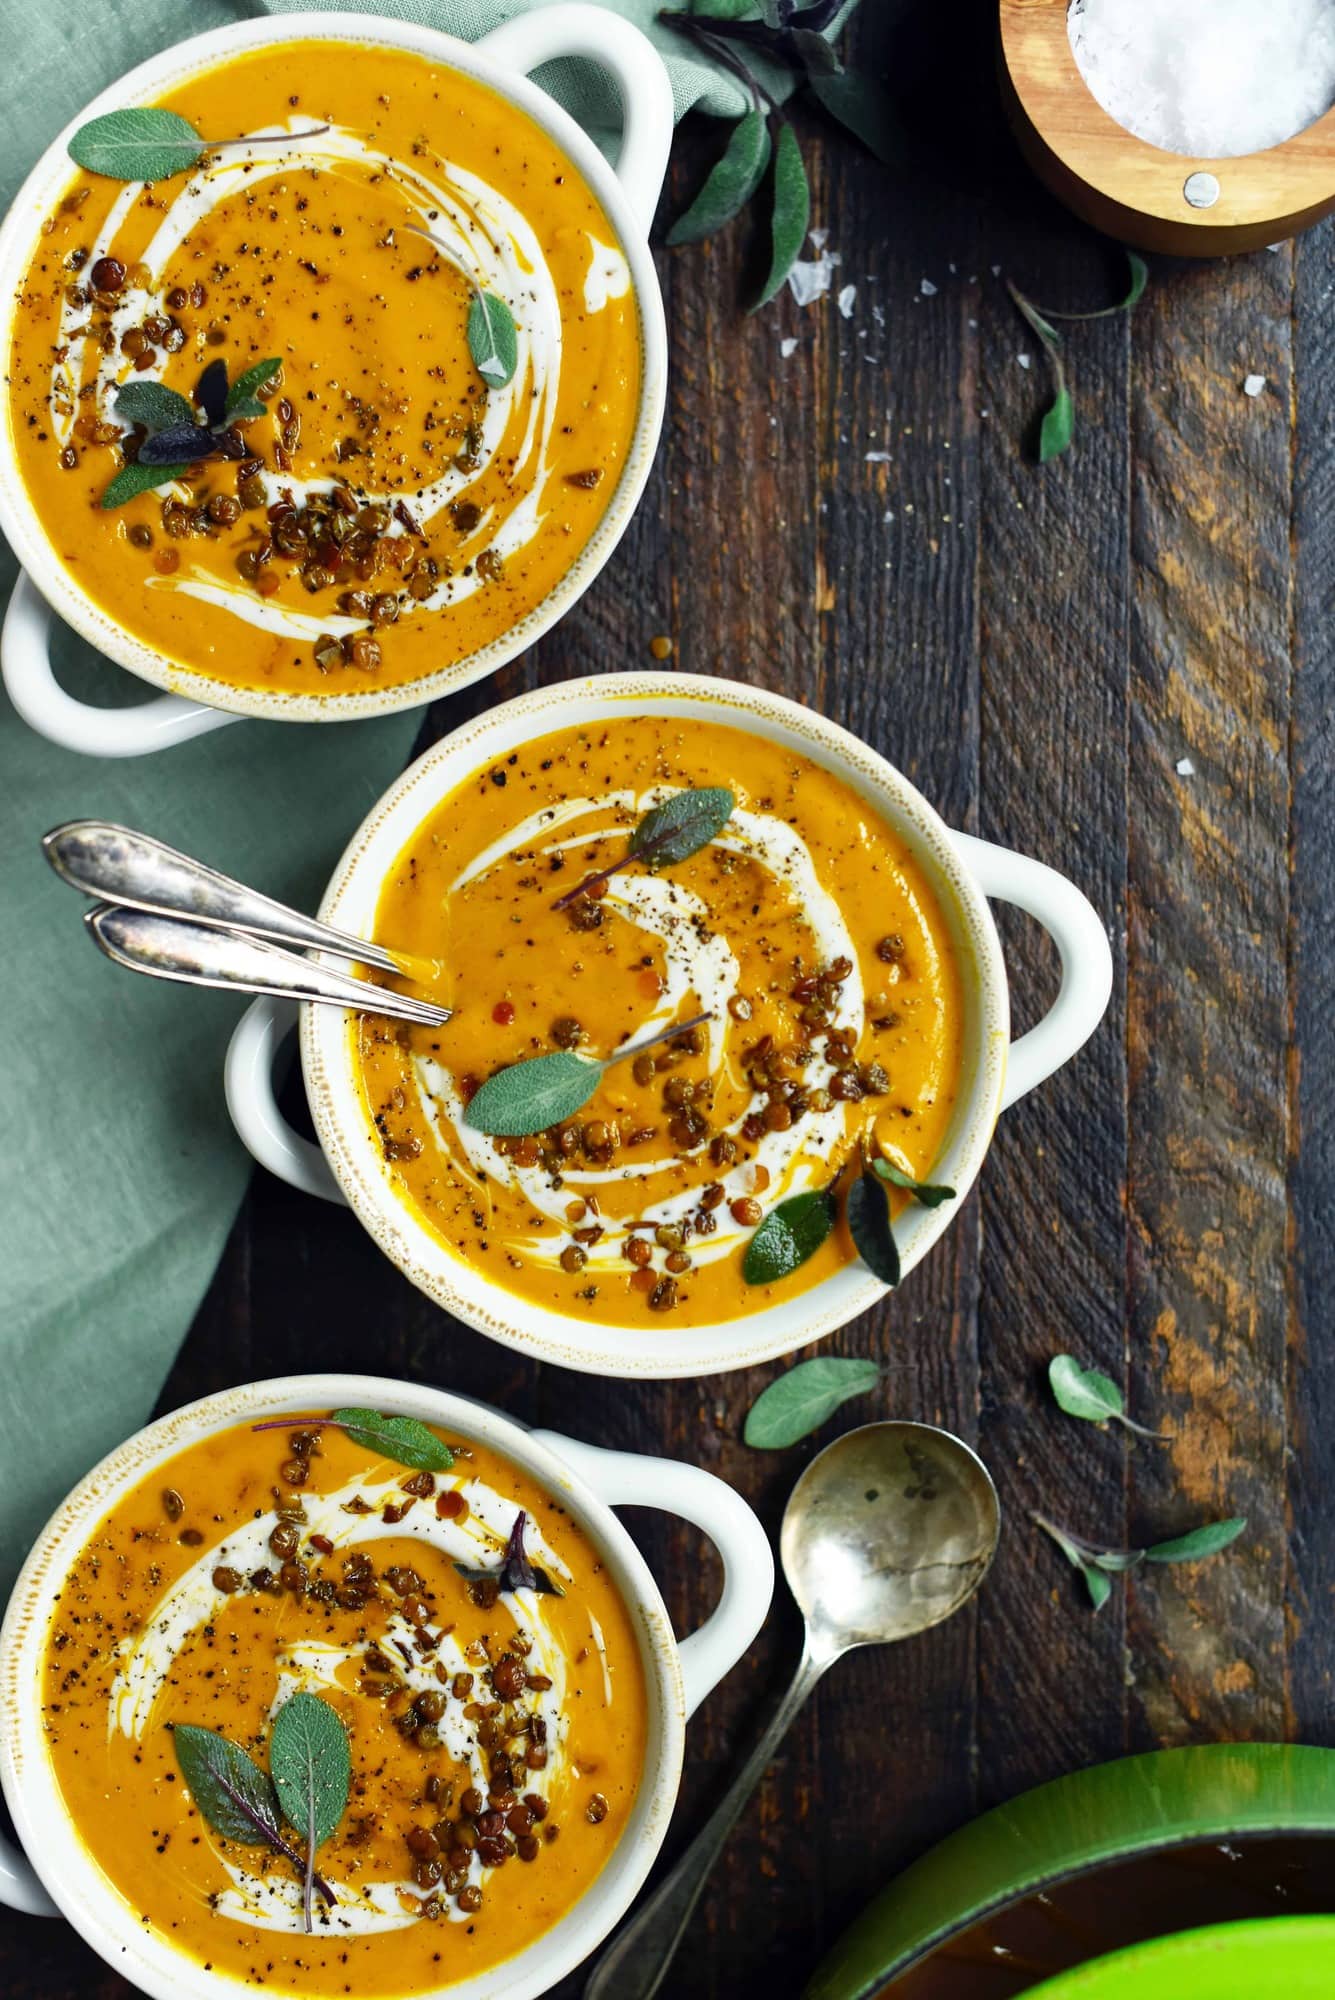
(119, 1173)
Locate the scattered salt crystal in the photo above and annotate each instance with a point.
(820, 237)
(1185, 768)
(877, 457)
(1253, 385)
(887, 518)
(810, 278)
(1211, 78)
(928, 289)
(787, 347)
(1023, 360)
(846, 298)
(996, 270)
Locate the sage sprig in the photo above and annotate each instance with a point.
(1097, 1565)
(793, 37)
(795, 1230)
(527, 1097)
(515, 1571)
(671, 832)
(1057, 427)
(1094, 1397)
(145, 143)
(804, 1398)
(402, 1440)
(310, 1763)
(237, 1798)
(176, 439)
(493, 336)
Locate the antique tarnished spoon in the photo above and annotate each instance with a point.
(891, 1529)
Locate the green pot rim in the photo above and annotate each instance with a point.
(1296, 1959)
(1111, 1812)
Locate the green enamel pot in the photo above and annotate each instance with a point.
(1276, 1958)
(1118, 1812)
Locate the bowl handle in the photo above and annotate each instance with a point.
(258, 1041)
(1076, 928)
(19, 1886)
(634, 65)
(627, 1479)
(25, 661)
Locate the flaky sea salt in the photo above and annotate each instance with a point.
(788, 347)
(845, 300)
(809, 279)
(1185, 768)
(1211, 78)
(927, 288)
(1253, 385)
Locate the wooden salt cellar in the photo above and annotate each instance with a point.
(1152, 199)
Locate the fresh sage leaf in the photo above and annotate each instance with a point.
(924, 1191)
(153, 405)
(188, 443)
(1058, 426)
(211, 393)
(527, 1097)
(402, 1440)
(674, 831)
(310, 1763)
(732, 181)
(246, 389)
(1098, 1586)
(139, 478)
(814, 52)
(1085, 1393)
(530, 1096)
(790, 1234)
(801, 1400)
(681, 826)
(720, 10)
(868, 1211)
(1204, 1541)
(1030, 313)
(138, 144)
(493, 339)
(863, 107)
(234, 1795)
(515, 1572)
(790, 212)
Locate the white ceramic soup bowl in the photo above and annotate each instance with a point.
(56, 1874)
(348, 1165)
(628, 192)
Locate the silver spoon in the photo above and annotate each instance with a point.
(891, 1529)
(119, 865)
(194, 955)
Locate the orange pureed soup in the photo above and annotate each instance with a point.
(387, 510)
(497, 1735)
(806, 930)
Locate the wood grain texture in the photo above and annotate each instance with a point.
(860, 525)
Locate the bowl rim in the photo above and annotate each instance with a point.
(19, 519)
(589, 1346)
(67, 1868)
(1138, 1805)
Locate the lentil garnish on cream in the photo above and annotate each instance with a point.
(497, 1737)
(806, 930)
(389, 513)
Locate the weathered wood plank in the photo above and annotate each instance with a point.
(1054, 615)
(1208, 988)
(1310, 1713)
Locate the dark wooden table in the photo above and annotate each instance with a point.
(1039, 649)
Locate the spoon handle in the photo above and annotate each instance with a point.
(193, 955)
(635, 1963)
(121, 866)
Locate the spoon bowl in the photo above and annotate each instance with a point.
(886, 1533)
